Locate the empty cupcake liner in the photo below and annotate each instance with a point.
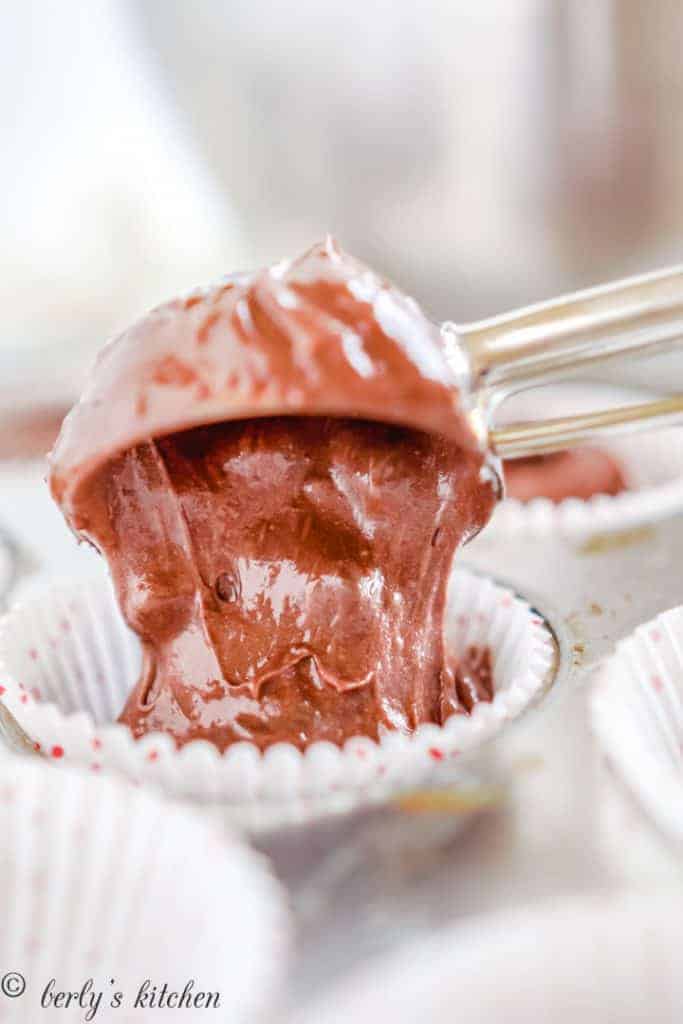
(637, 716)
(106, 889)
(68, 662)
(602, 958)
(652, 464)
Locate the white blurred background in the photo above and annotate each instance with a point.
(484, 155)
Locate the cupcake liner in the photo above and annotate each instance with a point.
(637, 716)
(652, 463)
(68, 662)
(92, 887)
(606, 957)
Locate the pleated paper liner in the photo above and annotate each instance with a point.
(105, 881)
(637, 718)
(606, 957)
(652, 464)
(68, 662)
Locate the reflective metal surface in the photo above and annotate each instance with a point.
(640, 316)
(521, 439)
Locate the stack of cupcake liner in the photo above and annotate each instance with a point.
(106, 888)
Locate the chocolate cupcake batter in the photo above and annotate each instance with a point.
(281, 506)
(472, 675)
(579, 473)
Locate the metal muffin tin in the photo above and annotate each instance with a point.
(563, 825)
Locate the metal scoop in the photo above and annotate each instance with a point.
(495, 358)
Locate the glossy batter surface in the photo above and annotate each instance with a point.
(287, 577)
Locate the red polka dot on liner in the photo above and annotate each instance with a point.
(153, 755)
(436, 754)
(657, 683)
(96, 743)
(57, 751)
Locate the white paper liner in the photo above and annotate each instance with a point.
(603, 958)
(103, 880)
(68, 662)
(652, 463)
(637, 717)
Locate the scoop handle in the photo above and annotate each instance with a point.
(517, 440)
(637, 316)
